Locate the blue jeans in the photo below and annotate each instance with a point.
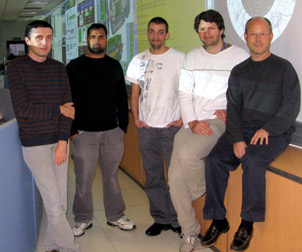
(156, 145)
(222, 160)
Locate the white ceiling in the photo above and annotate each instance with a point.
(11, 10)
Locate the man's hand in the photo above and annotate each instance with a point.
(239, 149)
(261, 135)
(140, 124)
(73, 136)
(177, 123)
(61, 153)
(221, 115)
(201, 128)
(67, 110)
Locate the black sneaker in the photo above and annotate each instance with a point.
(156, 229)
(176, 230)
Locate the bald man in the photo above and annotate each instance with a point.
(263, 102)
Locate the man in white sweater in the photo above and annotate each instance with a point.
(202, 98)
(154, 76)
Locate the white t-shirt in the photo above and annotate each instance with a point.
(204, 81)
(158, 78)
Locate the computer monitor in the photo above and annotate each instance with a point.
(15, 48)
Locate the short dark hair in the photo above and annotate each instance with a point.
(159, 20)
(36, 24)
(96, 26)
(210, 16)
(264, 18)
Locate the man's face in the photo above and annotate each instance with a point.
(209, 33)
(39, 42)
(157, 35)
(258, 38)
(97, 41)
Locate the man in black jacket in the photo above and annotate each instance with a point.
(263, 102)
(97, 133)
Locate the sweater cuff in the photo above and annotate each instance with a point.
(63, 136)
(55, 110)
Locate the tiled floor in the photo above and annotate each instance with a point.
(104, 238)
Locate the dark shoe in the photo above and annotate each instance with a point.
(212, 235)
(156, 229)
(176, 230)
(241, 240)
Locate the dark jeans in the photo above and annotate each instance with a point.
(222, 160)
(154, 144)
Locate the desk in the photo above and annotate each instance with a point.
(3, 81)
(283, 226)
(20, 202)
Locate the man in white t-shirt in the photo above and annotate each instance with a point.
(154, 77)
(202, 97)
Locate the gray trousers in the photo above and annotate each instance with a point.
(51, 181)
(156, 144)
(107, 148)
(187, 172)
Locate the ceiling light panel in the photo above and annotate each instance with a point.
(37, 2)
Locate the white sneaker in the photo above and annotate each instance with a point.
(187, 243)
(79, 228)
(123, 223)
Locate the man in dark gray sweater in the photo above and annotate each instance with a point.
(263, 102)
(42, 103)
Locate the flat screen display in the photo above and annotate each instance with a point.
(15, 49)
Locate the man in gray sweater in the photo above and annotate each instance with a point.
(263, 102)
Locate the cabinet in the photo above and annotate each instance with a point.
(1, 81)
(132, 162)
(281, 230)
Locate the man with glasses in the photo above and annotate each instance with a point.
(263, 103)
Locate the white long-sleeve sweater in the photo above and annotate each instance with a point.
(204, 81)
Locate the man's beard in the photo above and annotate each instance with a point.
(212, 43)
(98, 50)
(156, 47)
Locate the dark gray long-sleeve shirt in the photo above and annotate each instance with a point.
(264, 94)
(38, 89)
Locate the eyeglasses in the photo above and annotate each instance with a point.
(261, 35)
